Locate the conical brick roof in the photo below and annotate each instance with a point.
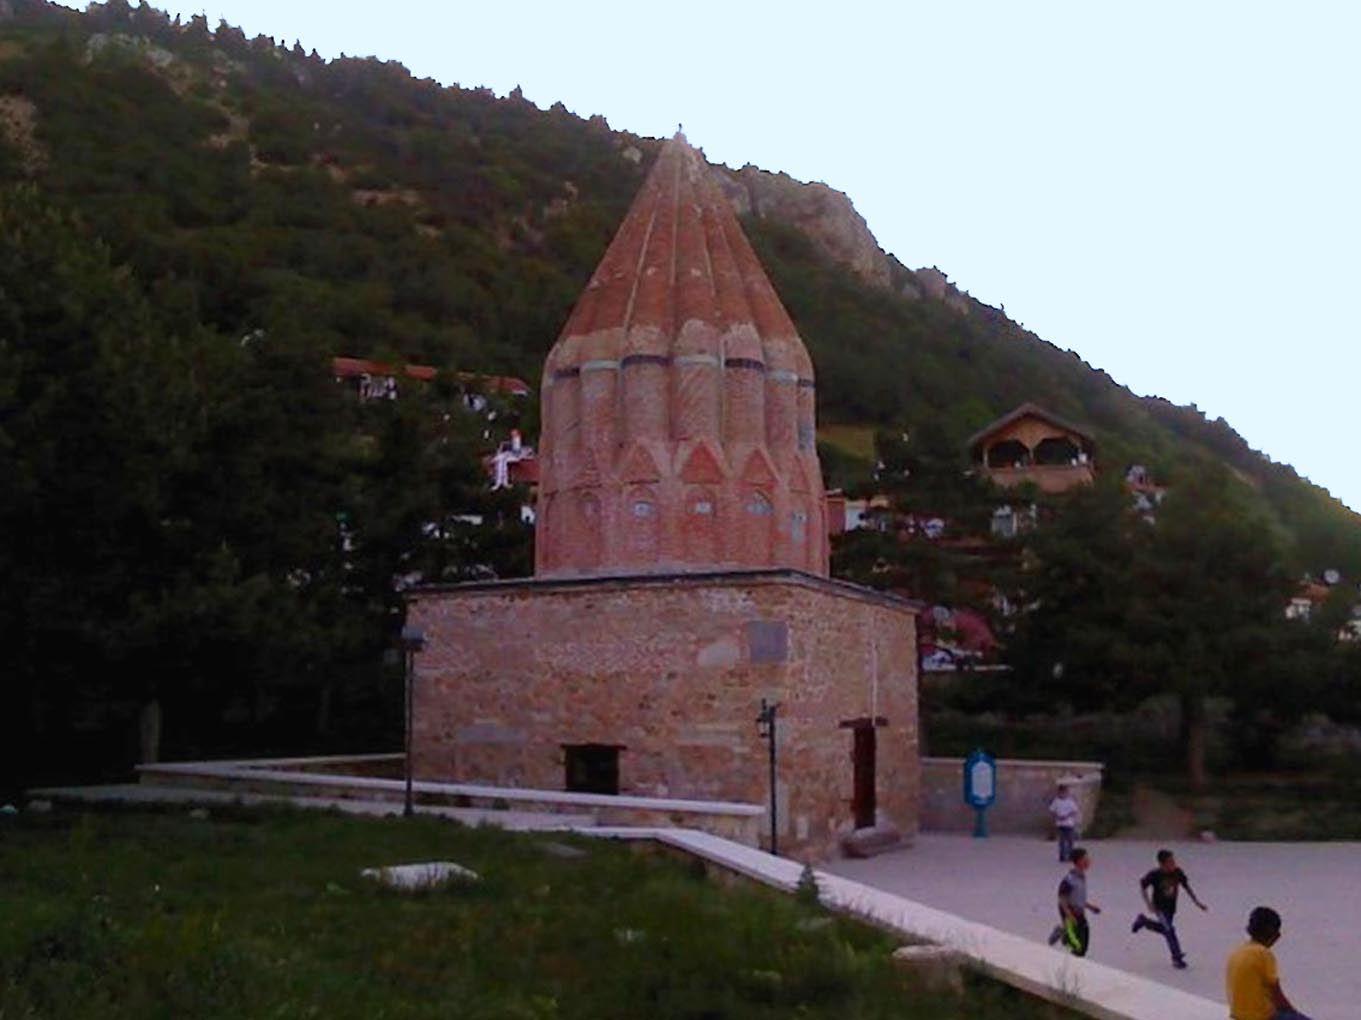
(678, 401)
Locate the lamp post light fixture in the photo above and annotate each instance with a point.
(411, 642)
(765, 727)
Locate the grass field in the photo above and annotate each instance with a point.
(856, 440)
(264, 914)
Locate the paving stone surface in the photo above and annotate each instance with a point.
(1010, 883)
(1086, 986)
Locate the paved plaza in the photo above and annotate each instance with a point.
(1010, 883)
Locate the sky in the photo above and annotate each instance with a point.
(1172, 190)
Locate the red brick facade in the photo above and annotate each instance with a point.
(673, 669)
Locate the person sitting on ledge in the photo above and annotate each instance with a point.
(1251, 980)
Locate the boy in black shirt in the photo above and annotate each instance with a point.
(1159, 888)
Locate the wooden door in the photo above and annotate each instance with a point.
(863, 804)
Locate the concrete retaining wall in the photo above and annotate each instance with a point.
(1024, 789)
(283, 777)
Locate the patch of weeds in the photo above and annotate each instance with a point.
(806, 892)
(1114, 814)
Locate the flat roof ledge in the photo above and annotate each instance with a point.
(671, 579)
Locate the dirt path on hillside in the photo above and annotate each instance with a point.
(1157, 816)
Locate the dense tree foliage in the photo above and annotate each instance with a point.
(1121, 606)
(1102, 606)
(923, 475)
(205, 525)
(94, 409)
(194, 222)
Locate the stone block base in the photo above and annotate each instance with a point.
(871, 842)
(662, 677)
(934, 968)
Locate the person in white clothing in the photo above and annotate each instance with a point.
(1066, 814)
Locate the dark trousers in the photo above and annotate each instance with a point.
(1162, 924)
(1065, 842)
(1076, 936)
(1084, 937)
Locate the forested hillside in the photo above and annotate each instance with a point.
(251, 185)
(195, 222)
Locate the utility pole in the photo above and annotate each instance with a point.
(412, 641)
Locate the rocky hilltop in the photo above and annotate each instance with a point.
(824, 215)
(829, 220)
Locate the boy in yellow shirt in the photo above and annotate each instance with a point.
(1251, 980)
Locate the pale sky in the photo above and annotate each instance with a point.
(1168, 189)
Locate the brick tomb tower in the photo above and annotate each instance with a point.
(678, 403)
(681, 565)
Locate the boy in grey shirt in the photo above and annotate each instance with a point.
(1073, 906)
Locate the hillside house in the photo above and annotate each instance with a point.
(1033, 445)
(1009, 521)
(1148, 495)
(513, 463)
(955, 639)
(1311, 595)
(1307, 600)
(379, 380)
(845, 514)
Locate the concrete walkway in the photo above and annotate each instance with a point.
(1085, 986)
(1010, 883)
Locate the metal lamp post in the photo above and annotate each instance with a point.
(411, 642)
(765, 727)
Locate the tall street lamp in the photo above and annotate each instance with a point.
(765, 727)
(411, 642)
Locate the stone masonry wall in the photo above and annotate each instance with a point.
(1024, 790)
(674, 669)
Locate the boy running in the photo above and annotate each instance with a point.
(1073, 906)
(1159, 889)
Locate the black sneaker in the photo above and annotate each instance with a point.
(1179, 964)
(1138, 925)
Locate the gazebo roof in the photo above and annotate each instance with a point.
(1029, 410)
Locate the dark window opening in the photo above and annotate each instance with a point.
(592, 768)
(1009, 453)
(1057, 450)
